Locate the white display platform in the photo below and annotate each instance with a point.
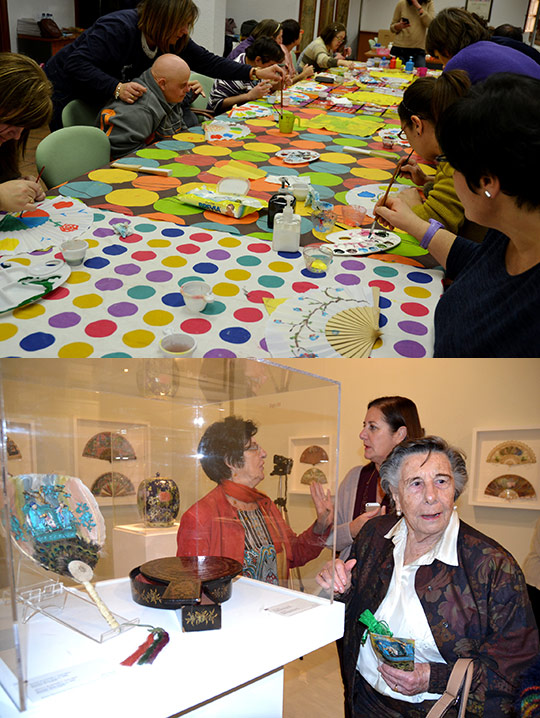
(235, 672)
(134, 544)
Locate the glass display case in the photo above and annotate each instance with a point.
(101, 460)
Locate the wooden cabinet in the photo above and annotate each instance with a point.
(42, 48)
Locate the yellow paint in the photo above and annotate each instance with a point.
(272, 304)
(9, 244)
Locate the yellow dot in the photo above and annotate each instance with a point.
(340, 158)
(262, 147)
(211, 151)
(158, 318)
(76, 350)
(112, 176)
(174, 261)
(302, 210)
(223, 289)
(138, 338)
(132, 197)
(189, 137)
(280, 267)
(91, 242)
(158, 243)
(9, 244)
(371, 173)
(78, 277)
(237, 275)
(29, 312)
(263, 122)
(417, 292)
(229, 242)
(87, 301)
(7, 331)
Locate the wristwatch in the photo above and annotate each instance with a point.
(434, 226)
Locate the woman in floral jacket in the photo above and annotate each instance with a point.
(435, 579)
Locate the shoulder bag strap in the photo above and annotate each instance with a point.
(458, 683)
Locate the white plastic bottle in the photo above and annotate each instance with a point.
(286, 237)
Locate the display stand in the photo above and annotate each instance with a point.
(134, 544)
(232, 672)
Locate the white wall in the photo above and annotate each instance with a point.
(63, 12)
(210, 27)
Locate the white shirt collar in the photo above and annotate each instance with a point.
(445, 549)
(147, 51)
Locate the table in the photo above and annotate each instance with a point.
(42, 49)
(234, 671)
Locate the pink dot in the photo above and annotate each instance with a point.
(259, 248)
(257, 296)
(383, 286)
(201, 237)
(413, 309)
(188, 249)
(249, 314)
(303, 287)
(101, 328)
(143, 256)
(131, 238)
(58, 293)
(196, 326)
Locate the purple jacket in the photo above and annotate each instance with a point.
(485, 58)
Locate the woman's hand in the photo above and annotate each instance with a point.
(20, 194)
(411, 196)
(40, 194)
(131, 91)
(274, 73)
(324, 506)
(359, 522)
(398, 26)
(411, 170)
(306, 72)
(260, 90)
(346, 63)
(407, 682)
(196, 87)
(342, 575)
(396, 213)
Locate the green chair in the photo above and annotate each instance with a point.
(70, 152)
(79, 112)
(206, 82)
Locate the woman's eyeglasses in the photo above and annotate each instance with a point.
(253, 447)
(401, 134)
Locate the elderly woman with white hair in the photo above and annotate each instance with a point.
(431, 577)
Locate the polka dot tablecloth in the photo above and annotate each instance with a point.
(126, 295)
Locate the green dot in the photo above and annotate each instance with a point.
(271, 282)
(141, 292)
(341, 197)
(261, 235)
(408, 247)
(351, 142)
(145, 227)
(116, 355)
(151, 154)
(250, 156)
(214, 308)
(190, 279)
(248, 261)
(385, 271)
(181, 170)
(173, 205)
(325, 179)
(98, 216)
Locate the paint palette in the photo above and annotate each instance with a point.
(355, 242)
(296, 157)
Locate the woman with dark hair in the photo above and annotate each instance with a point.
(430, 577)
(410, 21)
(491, 139)
(327, 50)
(237, 521)
(264, 28)
(25, 104)
(102, 62)
(461, 41)
(388, 421)
(291, 38)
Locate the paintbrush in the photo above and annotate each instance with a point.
(37, 182)
(392, 180)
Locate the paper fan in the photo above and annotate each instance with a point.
(112, 483)
(368, 194)
(50, 223)
(54, 520)
(250, 110)
(353, 332)
(510, 487)
(109, 446)
(313, 455)
(312, 475)
(511, 453)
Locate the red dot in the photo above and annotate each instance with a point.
(383, 286)
(259, 248)
(143, 256)
(188, 249)
(131, 238)
(201, 237)
(102, 328)
(249, 314)
(303, 287)
(196, 326)
(58, 293)
(413, 309)
(257, 296)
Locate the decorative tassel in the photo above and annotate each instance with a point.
(373, 626)
(148, 651)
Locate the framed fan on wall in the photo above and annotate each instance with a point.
(312, 461)
(504, 471)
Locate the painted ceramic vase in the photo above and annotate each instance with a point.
(158, 500)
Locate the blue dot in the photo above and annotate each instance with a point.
(235, 335)
(289, 255)
(96, 262)
(114, 249)
(312, 275)
(205, 268)
(116, 355)
(384, 302)
(174, 299)
(419, 277)
(172, 232)
(383, 321)
(35, 342)
(137, 161)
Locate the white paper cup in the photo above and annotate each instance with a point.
(74, 251)
(177, 345)
(196, 295)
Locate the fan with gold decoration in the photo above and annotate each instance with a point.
(510, 487)
(511, 453)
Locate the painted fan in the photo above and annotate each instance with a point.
(313, 455)
(312, 475)
(510, 487)
(109, 446)
(112, 483)
(13, 450)
(511, 453)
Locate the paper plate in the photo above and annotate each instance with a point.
(25, 278)
(368, 194)
(296, 157)
(54, 519)
(356, 242)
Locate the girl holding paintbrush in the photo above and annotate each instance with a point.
(25, 104)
